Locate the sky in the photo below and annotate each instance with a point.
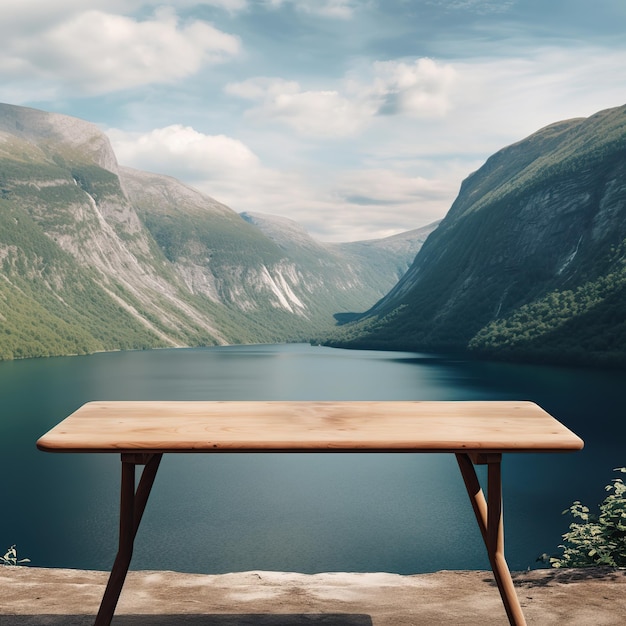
(359, 119)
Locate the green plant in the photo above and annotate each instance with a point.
(10, 558)
(597, 539)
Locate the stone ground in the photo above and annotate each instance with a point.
(61, 597)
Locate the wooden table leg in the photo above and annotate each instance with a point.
(132, 506)
(489, 517)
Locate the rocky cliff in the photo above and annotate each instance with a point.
(530, 261)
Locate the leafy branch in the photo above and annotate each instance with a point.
(597, 539)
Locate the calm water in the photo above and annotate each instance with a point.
(309, 513)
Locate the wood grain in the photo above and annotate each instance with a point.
(229, 426)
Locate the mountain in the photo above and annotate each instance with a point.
(530, 261)
(370, 267)
(95, 256)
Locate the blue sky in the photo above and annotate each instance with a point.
(356, 118)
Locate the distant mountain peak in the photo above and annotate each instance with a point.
(81, 141)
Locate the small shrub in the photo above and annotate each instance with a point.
(597, 539)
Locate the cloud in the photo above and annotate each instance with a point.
(422, 88)
(314, 113)
(182, 151)
(94, 52)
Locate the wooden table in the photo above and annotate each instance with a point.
(476, 432)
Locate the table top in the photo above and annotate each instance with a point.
(232, 426)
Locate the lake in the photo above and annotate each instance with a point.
(404, 513)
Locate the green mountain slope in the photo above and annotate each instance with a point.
(48, 304)
(529, 263)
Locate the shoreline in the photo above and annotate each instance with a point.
(64, 597)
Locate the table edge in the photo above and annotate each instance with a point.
(570, 443)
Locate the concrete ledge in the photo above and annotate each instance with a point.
(32, 596)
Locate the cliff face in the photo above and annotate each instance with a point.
(534, 244)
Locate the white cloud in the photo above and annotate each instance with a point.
(314, 113)
(182, 151)
(96, 52)
(422, 88)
